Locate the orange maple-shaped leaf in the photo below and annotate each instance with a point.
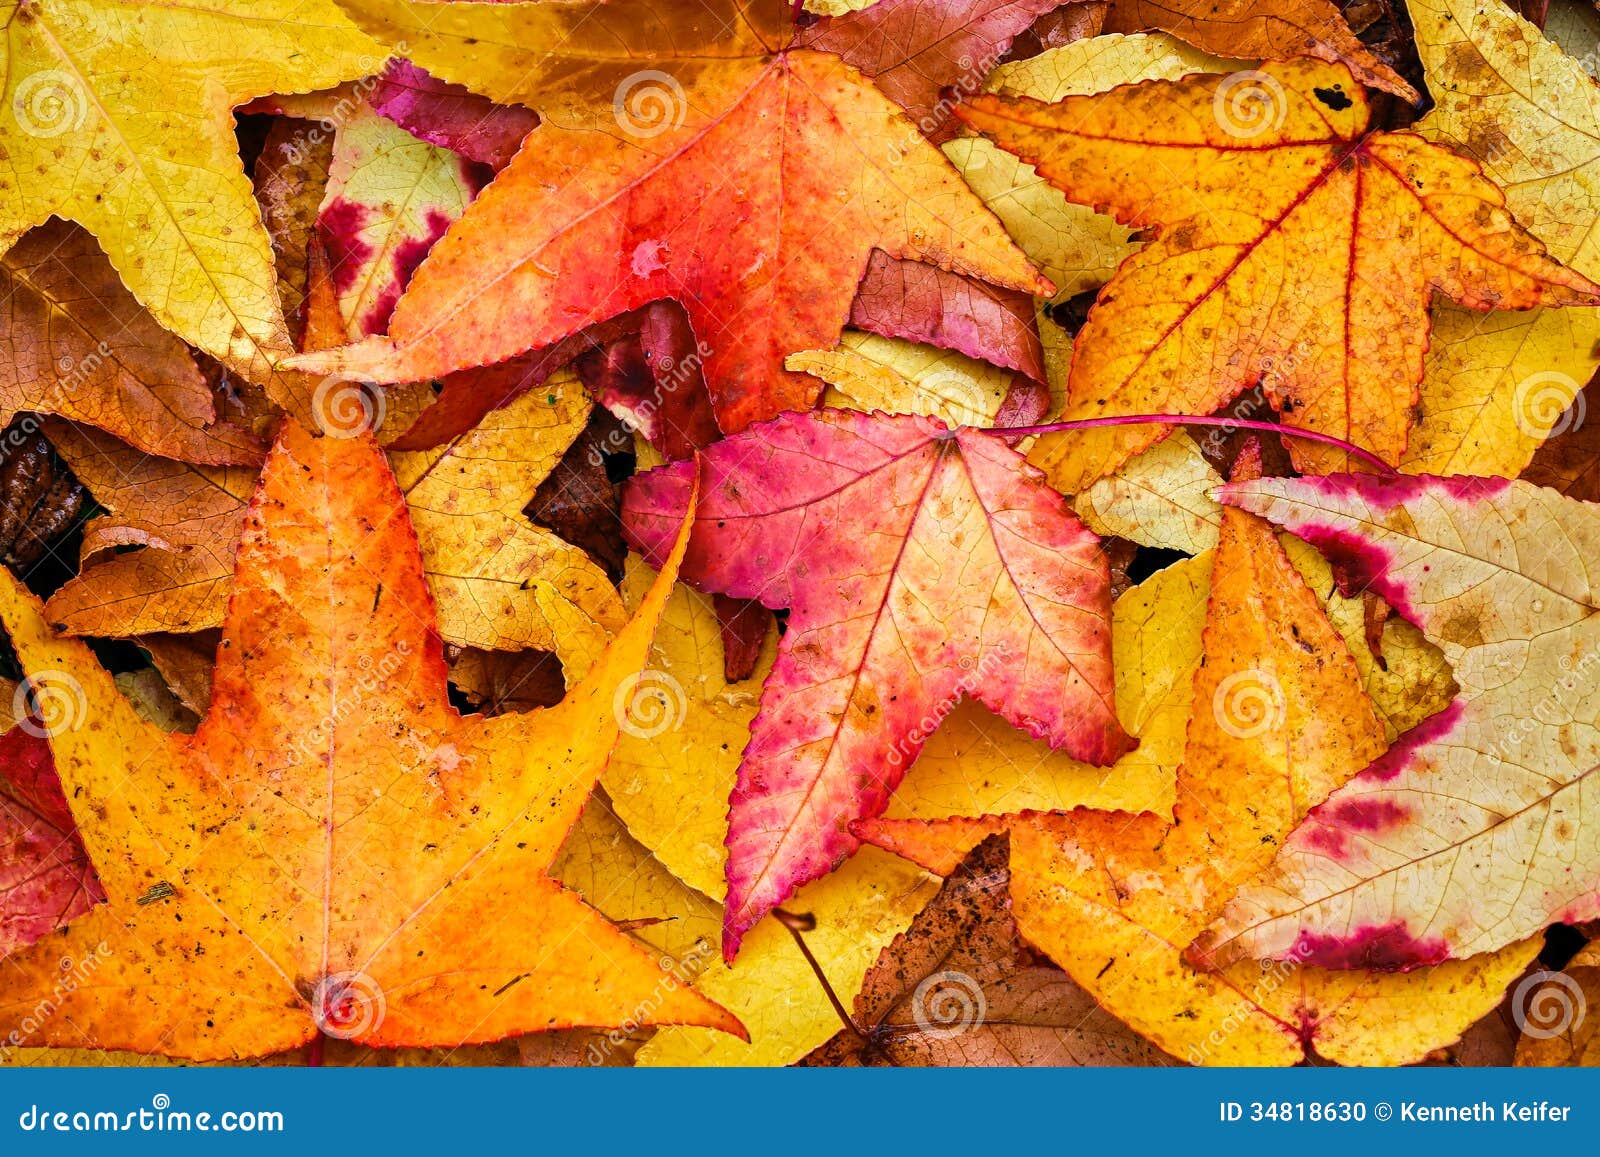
(750, 183)
(1291, 246)
(919, 567)
(335, 848)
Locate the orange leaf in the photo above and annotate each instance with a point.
(1261, 30)
(751, 186)
(1292, 247)
(335, 848)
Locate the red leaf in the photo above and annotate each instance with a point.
(450, 116)
(919, 567)
(916, 49)
(923, 303)
(45, 875)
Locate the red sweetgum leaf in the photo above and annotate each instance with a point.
(919, 567)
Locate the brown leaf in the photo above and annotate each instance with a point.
(290, 177)
(959, 988)
(40, 500)
(78, 345)
(577, 500)
(1570, 460)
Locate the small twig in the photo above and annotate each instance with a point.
(796, 923)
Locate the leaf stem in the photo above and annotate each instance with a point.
(1354, 451)
(801, 922)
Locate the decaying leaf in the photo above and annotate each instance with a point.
(959, 988)
(78, 345)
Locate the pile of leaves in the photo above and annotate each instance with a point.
(916, 532)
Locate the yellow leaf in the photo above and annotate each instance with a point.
(685, 725)
(1075, 247)
(869, 372)
(128, 107)
(1159, 498)
(1497, 385)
